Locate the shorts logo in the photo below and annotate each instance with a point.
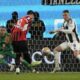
(74, 45)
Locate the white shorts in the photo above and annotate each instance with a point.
(73, 46)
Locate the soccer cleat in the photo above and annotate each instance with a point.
(56, 70)
(18, 70)
(36, 63)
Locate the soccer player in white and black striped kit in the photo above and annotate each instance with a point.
(72, 42)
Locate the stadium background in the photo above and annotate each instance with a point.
(52, 17)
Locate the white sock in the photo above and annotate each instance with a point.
(57, 58)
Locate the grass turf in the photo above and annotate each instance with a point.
(41, 76)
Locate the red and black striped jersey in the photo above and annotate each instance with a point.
(20, 30)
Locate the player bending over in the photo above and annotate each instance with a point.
(69, 28)
(6, 47)
(19, 32)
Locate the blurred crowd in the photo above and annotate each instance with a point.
(37, 26)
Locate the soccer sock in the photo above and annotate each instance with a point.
(27, 64)
(56, 59)
(59, 56)
(17, 60)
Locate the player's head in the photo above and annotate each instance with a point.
(36, 15)
(66, 15)
(15, 15)
(31, 14)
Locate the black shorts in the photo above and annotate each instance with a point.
(20, 46)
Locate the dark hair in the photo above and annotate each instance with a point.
(15, 13)
(66, 11)
(36, 15)
(30, 12)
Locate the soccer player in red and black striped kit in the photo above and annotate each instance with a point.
(20, 47)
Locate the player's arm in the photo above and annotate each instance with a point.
(56, 31)
(26, 26)
(70, 29)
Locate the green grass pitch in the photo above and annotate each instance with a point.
(40, 76)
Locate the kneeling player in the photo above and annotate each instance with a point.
(6, 47)
(69, 28)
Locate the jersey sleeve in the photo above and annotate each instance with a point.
(26, 25)
(71, 26)
(23, 23)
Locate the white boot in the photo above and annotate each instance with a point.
(18, 70)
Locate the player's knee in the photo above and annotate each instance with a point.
(57, 49)
(76, 53)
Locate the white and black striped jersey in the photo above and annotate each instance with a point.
(69, 28)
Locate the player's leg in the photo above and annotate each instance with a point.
(20, 47)
(77, 54)
(26, 55)
(12, 55)
(16, 48)
(24, 59)
(3, 61)
(17, 59)
(27, 61)
(17, 62)
(56, 52)
(75, 46)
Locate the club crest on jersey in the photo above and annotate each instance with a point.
(70, 21)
